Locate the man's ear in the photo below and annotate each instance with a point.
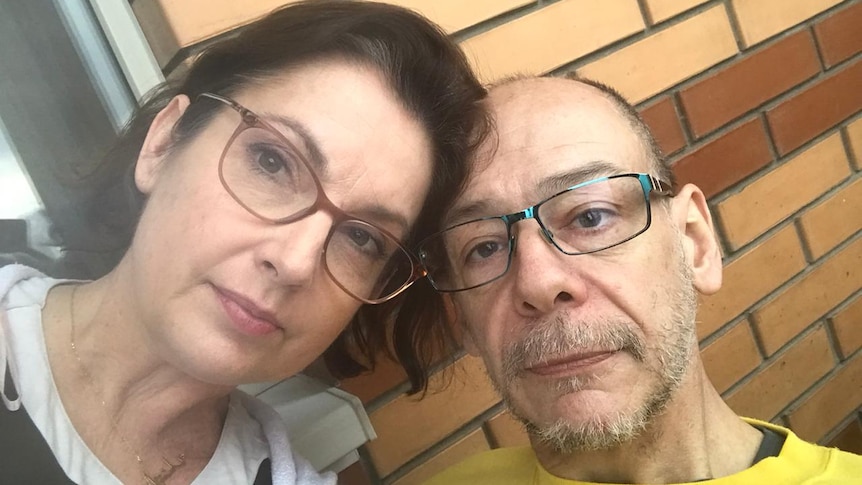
(690, 213)
(464, 333)
(158, 141)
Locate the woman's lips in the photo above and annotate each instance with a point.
(571, 364)
(245, 316)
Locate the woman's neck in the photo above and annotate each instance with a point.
(124, 398)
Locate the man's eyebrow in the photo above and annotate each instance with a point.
(545, 188)
(549, 186)
(310, 143)
(464, 213)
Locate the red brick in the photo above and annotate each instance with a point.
(847, 324)
(731, 357)
(784, 379)
(810, 297)
(725, 161)
(467, 446)
(830, 403)
(849, 439)
(840, 35)
(750, 277)
(834, 220)
(817, 108)
(749, 82)
(664, 125)
(782, 191)
(407, 426)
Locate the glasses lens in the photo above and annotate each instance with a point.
(366, 261)
(467, 255)
(267, 175)
(597, 215)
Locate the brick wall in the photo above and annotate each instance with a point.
(759, 102)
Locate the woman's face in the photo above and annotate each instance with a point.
(230, 298)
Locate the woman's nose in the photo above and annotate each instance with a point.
(293, 253)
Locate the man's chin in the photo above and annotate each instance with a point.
(587, 432)
(569, 400)
(583, 420)
(594, 435)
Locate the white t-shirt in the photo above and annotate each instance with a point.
(252, 430)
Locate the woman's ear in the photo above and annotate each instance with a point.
(690, 213)
(158, 141)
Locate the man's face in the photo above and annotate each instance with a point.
(585, 349)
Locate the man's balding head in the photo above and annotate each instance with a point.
(575, 289)
(525, 89)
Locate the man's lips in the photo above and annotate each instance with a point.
(570, 363)
(245, 313)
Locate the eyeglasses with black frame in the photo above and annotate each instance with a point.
(272, 178)
(585, 218)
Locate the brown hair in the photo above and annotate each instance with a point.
(430, 77)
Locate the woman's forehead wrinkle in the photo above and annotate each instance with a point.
(368, 202)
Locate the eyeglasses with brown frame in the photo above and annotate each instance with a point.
(272, 178)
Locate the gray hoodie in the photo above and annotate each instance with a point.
(288, 468)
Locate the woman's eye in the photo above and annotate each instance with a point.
(370, 244)
(359, 237)
(270, 162)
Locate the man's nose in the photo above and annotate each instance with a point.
(544, 276)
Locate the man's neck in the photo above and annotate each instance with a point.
(697, 437)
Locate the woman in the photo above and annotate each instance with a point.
(272, 194)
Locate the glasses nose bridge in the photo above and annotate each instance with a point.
(511, 219)
(528, 213)
(321, 204)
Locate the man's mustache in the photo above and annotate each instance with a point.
(562, 335)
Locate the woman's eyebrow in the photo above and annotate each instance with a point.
(320, 163)
(379, 215)
(311, 145)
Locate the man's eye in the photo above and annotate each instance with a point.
(483, 250)
(590, 218)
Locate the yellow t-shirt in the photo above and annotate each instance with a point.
(799, 462)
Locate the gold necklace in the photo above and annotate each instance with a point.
(169, 469)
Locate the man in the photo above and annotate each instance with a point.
(583, 305)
